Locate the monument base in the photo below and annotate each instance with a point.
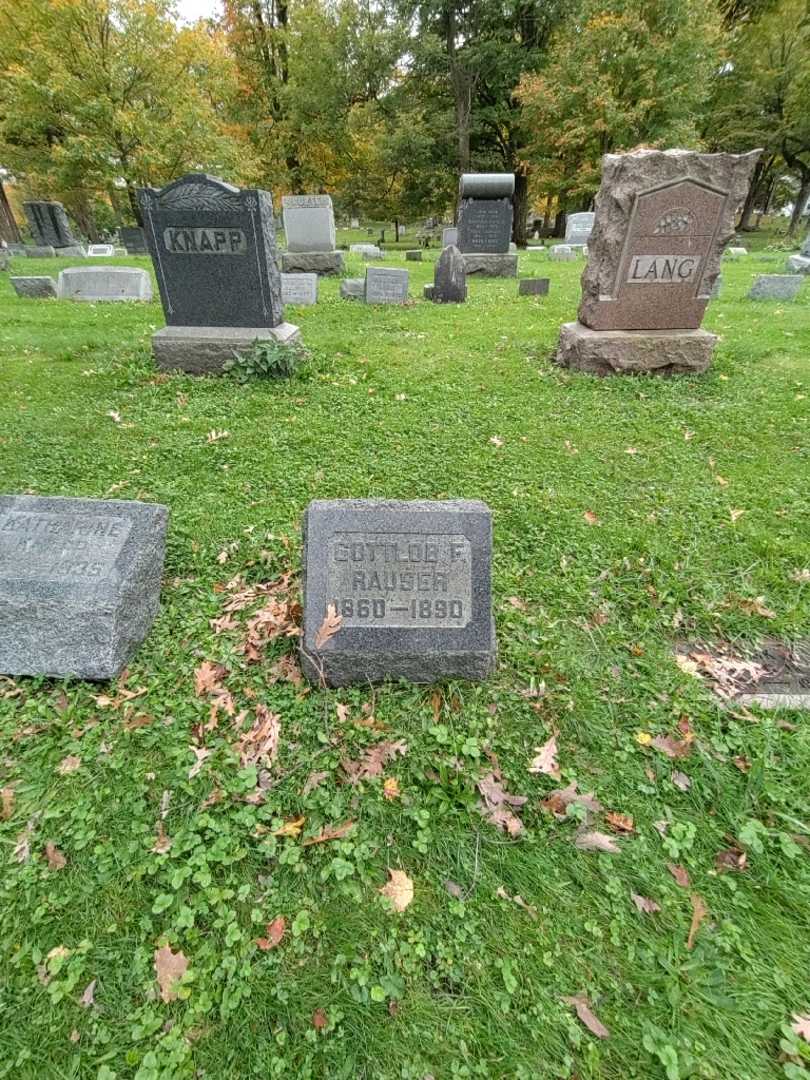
(798, 264)
(72, 251)
(618, 352)
(203, 350)
(486, 264)
(312, 262)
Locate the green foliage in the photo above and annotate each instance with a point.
(265, 360)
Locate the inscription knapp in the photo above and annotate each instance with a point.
(205, 241)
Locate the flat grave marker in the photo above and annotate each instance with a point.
(386, 286)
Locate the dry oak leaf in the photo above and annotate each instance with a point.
(742, 763)
(673, 748)
(801, 1026)
(56, 860)
(292, 827)
(169, 968)
(699, 913)
(681, 780)
(620, 823)
(7, 796)
(88, 997)
(496, 803)
(558, 801)
(590, 517)
(546, 759)
(200, 754)
(319, 1019)
(69, 765)
(399, 889)
(596, 841)
(391, 788)
(163, 842)
(644, 904)
(329, 832)
(275, 932)
(583, 1011)
(730, 859)
(312, 781)
(329, 627)
(259, 745)
(680, 874)
(757, 606)
(374, 760)
(455, 890)
(208, 678)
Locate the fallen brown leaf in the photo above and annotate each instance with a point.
(374, 760)
(801, 1026)
(7, 796)
(208, 678)
(590, 517)
(496, 802)
(259, 745)
(546, 759)
(170, 967)
(399, 889)
(699, 913)
(596, 841)
(730, 859)
(200, 754)
(742, 763)
(757, 606)
(530, 909)
(329, 627)
(391, 788)
(558, 801)
(312, 781)
(329, 832)
(673, 748)
(292, 827)
(583, 1011)
(680, 874)
(319, 1019)
(454, 890)
(69, 765)
(163, 842)
(56, 860)
(681, 780)
(88, 997)
(275, 932)
(620, 823)
(644, 904)
(517, 603)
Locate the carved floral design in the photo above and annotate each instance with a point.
(675, 222)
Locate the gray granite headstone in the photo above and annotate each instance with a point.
(299, 288)
(735, 252)
(79, 583)
(386, 286)
(101, 251)
(798, 264)
(450, 237)
(427, 292)
(309, 222)
(562, 253)
(449, 278)
(133, 239)
(35, 288)
(485, 212)
(5, 258)
(533, 286)
(414, 255)
(368, 251)
(49, 224)
(408, 584)
(104, 283)
(578, 227)
(353, 288)
(776, 287)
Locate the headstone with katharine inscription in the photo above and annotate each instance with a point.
(485, 223)
(397, 590)
(214, 252)
(309, 226)
(79, 583)
(663, 219)
(386, 286)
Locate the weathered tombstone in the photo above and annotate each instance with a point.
(34, 251)
(414, 255)
(578, 228)
(450, 237)
(309, 226)
(562, 253)
(299, 289)
(485, 223)
(718, 285)
(354, 223)
(449, 278)
(735, 252)
(397, 590)
(353, 288)
(79, 583)
(775, 287)
(368, 251)
(386, 286)
(101, 251)
(133, 239)
(428, 291)
(16, 249)
(214, 253)
(533, 286)
(798, 264)
(50, 227)
(662, 221)
(34, 288)
(104, 283)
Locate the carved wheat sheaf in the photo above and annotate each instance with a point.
(199, 197)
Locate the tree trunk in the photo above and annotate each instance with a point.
(134, 205)
(559, 223)
(800, 204)
(754, 188)
(9, 229)
(520, 207)
(462, 84)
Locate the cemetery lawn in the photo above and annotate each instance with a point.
(629, 514)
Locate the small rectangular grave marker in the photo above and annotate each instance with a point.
(776, 287)
(299, 288)
(386, 286)
(533, 286)
(406, 583)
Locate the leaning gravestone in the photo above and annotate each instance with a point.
(299, 289)
(485, 223)
(309, 226)
(34, 288)
(776, 287)
(663, 219)
(104, 283)
(386, 286)
(397, 590)
(79, 583)
(133, 239)
(449, 278)
(578, 228)
(50, 227)
(533, 286)
(213, 248)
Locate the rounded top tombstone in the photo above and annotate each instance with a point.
(487, 185)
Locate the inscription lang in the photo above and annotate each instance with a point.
(403, 580)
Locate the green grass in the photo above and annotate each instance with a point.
(403, 403)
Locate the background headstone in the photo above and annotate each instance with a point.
(562, 253)
(449, 278)
(299, 288)
(776, 287)
(485, 212)
(386, 286)
(101, 251)
(133, 239)
(450, 237)
(735, 252)
(798, 264)
(353, 288)
(414, 255)
(578, 227)
(533, 286)
(368, 251)
(410, 583)
(39, 252)
(309, 222)
(34, 288)
(49, 224)
(104, 283)
(79, 583)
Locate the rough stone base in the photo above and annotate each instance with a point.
(617, 352)
(798, 264)
(347, 669)
(353, 288)
(34, 288)
(312, 262)
(202, 350)
(500, 264)
(72, 251)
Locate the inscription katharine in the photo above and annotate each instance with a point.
(400, 579)
(663, 269)
(183, 241)
(45, 547)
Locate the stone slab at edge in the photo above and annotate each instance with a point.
(312, 262)
(203, 350)
(485, 264)
(633, 352)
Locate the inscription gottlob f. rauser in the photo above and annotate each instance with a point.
(48, 546)
(400, 579)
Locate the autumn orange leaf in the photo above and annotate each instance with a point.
(391, 788)
(399, 889)
(590, 517)
(587, 1017)
(329, 627)
(319, 1019)
(545, 760)
(275, 932)
(620, 823)
(699, 913)
(170, 967)
(292, 827)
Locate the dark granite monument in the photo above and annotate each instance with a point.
(537, 286)
(50, 227)
(397, 590)
(662, 221)
(449, 278)
(214, 252)
(79, 583)
(485, 223)
(133, 239)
